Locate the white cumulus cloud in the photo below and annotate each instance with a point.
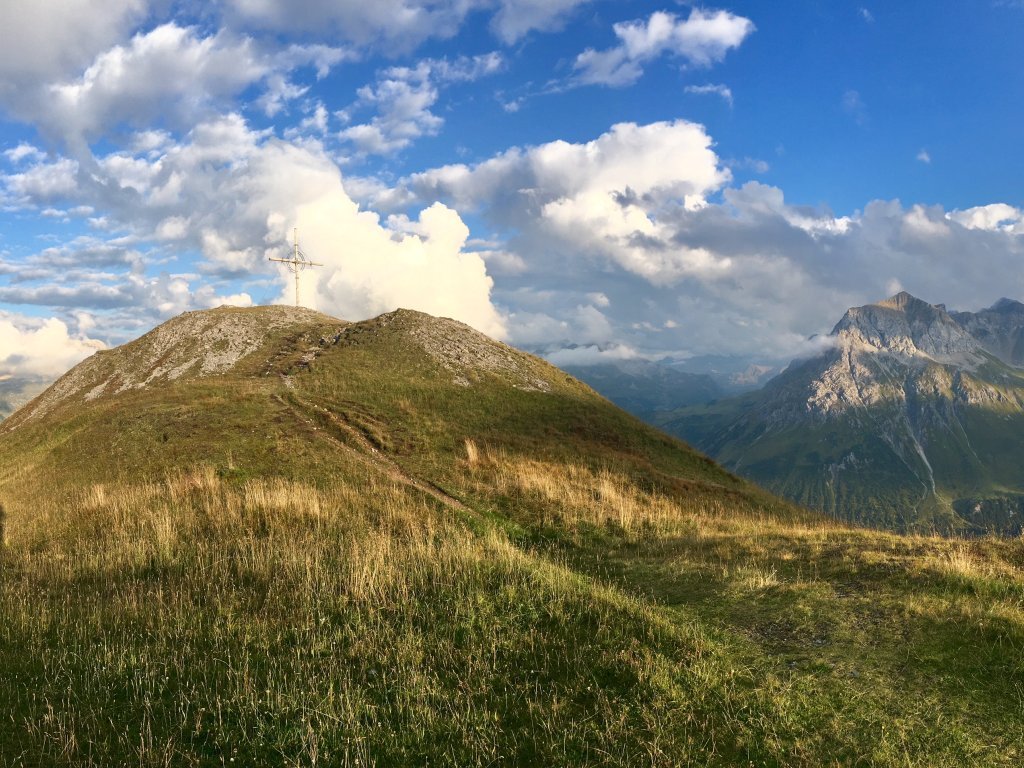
(702, 39)
(403, 97)
(397, 25)
(600, 197)
(46, 40)
(401, 24)
(998, 217)
(234, 194)
(635, 239)
(169, 71)
(516, 18)
(170, 76)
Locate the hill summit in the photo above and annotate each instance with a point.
(256, 341)
(287, 391)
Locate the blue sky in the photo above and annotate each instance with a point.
(593, 180)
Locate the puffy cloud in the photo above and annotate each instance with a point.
(371, 269)
(998, 217)
(46, 40)
(685, 265)
(702, 39)
(279, 92)
(24, 151)
(168, 76)
(403, 98)
(397, 24)
(72, 68)
(233, 194)
(400, 24)
(169, 72)
(629, 163)
(42, 182)
(601, 197)
(630, 241)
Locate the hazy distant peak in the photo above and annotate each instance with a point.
(1006, 306)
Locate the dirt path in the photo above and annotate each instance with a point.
(350, 439)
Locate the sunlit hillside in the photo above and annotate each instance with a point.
(401, 543)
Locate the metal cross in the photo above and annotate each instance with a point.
(297, 263)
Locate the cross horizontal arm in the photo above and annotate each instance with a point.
(296, 261)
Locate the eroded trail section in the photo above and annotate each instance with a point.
(345, 436)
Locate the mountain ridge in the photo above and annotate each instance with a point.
(645, 388)
(908, 419)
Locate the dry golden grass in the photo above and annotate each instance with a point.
(304, 554)
(196, 620)
(573, 494)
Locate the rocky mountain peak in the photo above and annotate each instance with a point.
(905, 302)
(1006, 306)
(908, 328)
(915, 414)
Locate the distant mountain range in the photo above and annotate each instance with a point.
(646, 388)
(912, 418)
(649, 389)
(14, 393)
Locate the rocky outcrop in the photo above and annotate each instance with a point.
(461, 350)
(194, 344)
(998, 329)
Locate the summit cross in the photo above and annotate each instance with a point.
(296, 263)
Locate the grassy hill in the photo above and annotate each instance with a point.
(268, 537)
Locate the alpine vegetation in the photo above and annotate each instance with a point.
(399, 542)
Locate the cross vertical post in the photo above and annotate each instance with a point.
(296, 263)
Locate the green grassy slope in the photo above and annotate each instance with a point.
(417, 547)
